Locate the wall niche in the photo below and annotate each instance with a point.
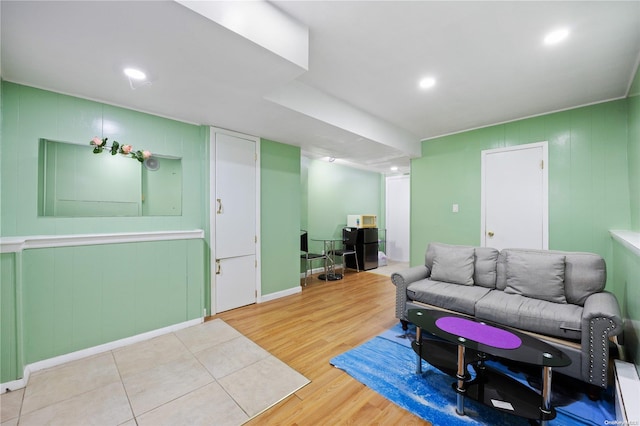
(75, 182)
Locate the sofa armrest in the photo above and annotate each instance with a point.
(601, 319)
(401, 280)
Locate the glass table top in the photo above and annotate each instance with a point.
(489, 338)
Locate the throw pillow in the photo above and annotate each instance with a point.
(536, 275)
(453, 265)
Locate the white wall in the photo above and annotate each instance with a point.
(397, 217)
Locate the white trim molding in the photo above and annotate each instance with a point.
(627, 389)
(629, 239)
(277, 295)
(18, 244)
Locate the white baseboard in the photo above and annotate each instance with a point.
(83, 353)
(13, 385)
(627, 390)
(279, 294)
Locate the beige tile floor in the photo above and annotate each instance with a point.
(202, 375)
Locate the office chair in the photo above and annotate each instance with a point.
(349, 237)
(309, 257)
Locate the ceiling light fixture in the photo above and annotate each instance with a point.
(427, 83)
(135, 74)
(136, 77)
(394, 168)
(556, 36)
(332, 159)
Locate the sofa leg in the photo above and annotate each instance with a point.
(405, 325)
(594, 392)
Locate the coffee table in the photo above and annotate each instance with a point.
(455, 341)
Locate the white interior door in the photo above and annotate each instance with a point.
(397, 217)
(235, 282)
(235, 196)
(234, 224)
(515, 197)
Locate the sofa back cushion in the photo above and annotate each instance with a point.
(584, 273)
(537, 275)
(485, 267)
(452, 264)
(462, 264)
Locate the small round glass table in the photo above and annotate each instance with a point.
(329, 265)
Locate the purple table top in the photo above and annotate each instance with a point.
(479, 332)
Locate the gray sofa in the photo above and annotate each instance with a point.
(558, 296)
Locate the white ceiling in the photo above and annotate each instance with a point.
(357, 98)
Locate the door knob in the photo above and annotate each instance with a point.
(219, 201)
(218, 267)
(490, 234)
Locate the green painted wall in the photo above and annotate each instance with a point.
(634, 158)
(70, 298)
(588, 179)
(8, 337)
(29, 114)
(280, 216)
(79, 297)
(304, 192)
(334, 191)
(627, 264)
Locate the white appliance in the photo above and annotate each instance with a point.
(362, 221)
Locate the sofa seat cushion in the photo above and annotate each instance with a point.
(538, 316)
(446, 295)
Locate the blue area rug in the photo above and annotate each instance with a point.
(387, 365)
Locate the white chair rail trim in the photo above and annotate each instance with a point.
(629, 239)
(18, 244)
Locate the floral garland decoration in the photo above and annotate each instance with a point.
(101, 144)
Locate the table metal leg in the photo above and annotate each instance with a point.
(419, 352)
(326, 261)
(545, 409)
(329, 264)
(461, 379)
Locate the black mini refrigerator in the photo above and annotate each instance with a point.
(367, 249)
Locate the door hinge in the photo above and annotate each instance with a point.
(542, 164)
(256, 264)
(255, 238)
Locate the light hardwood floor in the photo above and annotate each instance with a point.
(306, 330)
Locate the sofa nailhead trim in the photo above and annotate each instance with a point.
(605, 333)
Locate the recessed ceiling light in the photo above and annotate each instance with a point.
(427, 83)
(135, 74)
(556, 36)
(394, 168)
